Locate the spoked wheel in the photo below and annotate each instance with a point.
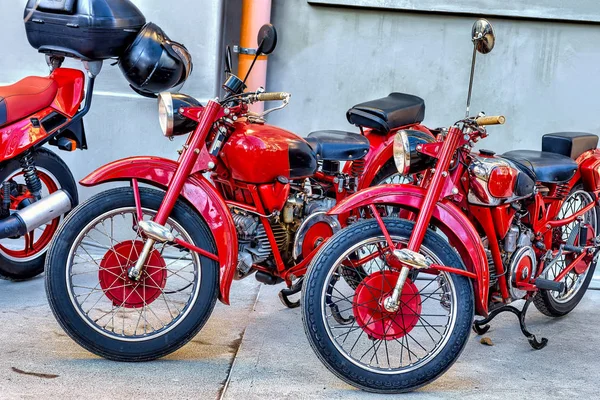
(105, 311)
(388, 174)
(357, 338)
(23, 257)
(555, 304)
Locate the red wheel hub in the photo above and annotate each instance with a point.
(371, 315)
(116, 284)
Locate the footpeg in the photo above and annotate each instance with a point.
(546, 284)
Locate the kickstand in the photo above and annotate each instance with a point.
(481, 327)
(284, 294)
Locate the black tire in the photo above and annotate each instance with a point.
(355, 276)
(327, 351)
(108, 347)
(13, 268)
(545, 301)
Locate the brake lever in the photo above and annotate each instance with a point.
(284, 104)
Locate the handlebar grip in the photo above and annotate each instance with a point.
(491, 120)
(272, 96)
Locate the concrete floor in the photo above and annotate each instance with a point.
(256, 349)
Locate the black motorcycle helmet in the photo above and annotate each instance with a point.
(153, 63)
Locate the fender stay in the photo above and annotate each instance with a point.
(446, 216)
(198, 191)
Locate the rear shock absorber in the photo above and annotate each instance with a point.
(32, 180)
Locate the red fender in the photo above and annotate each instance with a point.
(446, 216)
(198, 191)
(381, 150)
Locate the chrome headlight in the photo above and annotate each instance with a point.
(408, 160)
(171, 122)
(165, 113)
(402, 152)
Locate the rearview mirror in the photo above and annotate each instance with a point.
(267, 39)
(482, 35)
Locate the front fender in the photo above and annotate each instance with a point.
(197, 190)
(447, 217)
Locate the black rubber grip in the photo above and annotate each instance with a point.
(546, 284)
(574, 249)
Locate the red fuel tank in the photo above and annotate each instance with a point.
(259, 153)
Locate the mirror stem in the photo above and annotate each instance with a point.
(471, 80)
(258, 51)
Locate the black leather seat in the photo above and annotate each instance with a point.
(570, 144)
(387, 113)
(338, 145)
(543, 166)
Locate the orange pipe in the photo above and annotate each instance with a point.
(255, 13)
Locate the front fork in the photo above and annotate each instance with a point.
(410, 256)
(155, 229)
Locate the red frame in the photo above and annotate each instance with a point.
(183, 178)
(445, 188)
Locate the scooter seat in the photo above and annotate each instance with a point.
(387, 113)
(25, 97)
(338, 145)
(543, 166)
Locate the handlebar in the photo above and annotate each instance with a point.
(491, 120)
(272, 96)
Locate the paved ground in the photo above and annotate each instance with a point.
(272, 359)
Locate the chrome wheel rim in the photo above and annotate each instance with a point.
(573, 281)
(416, 347)
(96, 241)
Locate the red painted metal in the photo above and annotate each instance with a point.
(274, 195)
(502, 216)
(21, 135)
(379, 220)
(445, 216)
(373, 318)
(435, 188)
(571, 218)
(197, 190)
(380, 152)
(502, 181)
(589, 167)
(570, 267)
(483, 215)
(187, 160)
(445, 268)
(117, 286)
(315, 236)
(197, 249)
(138, 201)
(257, 153)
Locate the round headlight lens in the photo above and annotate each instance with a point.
(402, 152)
(165, 113)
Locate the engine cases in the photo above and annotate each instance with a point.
(84, 29)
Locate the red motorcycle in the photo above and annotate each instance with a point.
(134, 272)
(37, 186)
(478, 232)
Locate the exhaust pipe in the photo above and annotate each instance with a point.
(35, 215)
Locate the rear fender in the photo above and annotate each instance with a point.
(589, 169)
(447, 217)
(197, 190)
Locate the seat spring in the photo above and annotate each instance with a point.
(358, 167)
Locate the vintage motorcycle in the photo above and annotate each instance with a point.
(134, 273)
(477, 232)
(37, 187)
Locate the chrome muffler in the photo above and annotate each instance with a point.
(35, 215)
